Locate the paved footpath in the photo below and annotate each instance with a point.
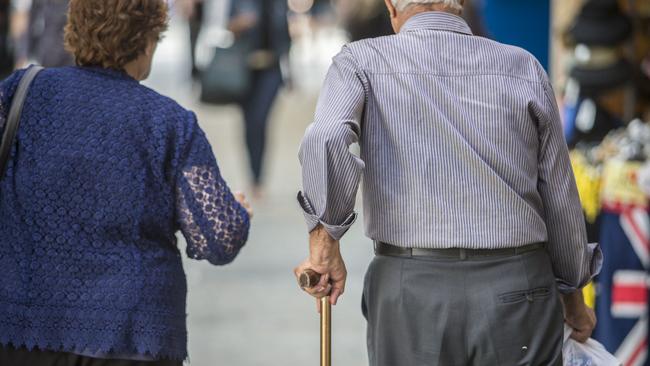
(251, 312)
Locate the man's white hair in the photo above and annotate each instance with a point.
(451, 4)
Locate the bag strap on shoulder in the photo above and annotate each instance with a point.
(13, 120)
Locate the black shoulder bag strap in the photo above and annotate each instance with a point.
(13, 121)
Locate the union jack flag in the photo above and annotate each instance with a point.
(622, 303)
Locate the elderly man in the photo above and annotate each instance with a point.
(468, 195)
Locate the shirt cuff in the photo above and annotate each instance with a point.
(313, 220)
(595, 266)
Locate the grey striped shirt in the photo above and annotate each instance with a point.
(461, 147)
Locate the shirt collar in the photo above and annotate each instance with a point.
(436, 20)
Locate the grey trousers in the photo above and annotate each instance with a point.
(491, 311)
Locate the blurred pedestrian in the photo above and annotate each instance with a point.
(364, 18)
(104, 172)
(468, 195)
(265, 26)
(6, 47)
(41, 37)
(321, 8)
(193, 10)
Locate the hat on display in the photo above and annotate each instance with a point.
(601, 23)
(597, 69)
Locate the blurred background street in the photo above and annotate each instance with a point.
(251, 312)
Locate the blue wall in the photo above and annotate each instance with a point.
(523, 23)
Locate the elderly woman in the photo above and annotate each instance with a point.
(103, 173)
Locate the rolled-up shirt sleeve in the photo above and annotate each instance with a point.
(575, 262)
(331, 172)
(214, 224)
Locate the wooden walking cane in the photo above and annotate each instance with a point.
(309, 279)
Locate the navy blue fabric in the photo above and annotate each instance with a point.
(103, 174)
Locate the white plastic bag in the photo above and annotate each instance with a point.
(590, 353)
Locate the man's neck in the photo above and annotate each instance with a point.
(416, 9)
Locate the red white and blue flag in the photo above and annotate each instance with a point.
(622, 302)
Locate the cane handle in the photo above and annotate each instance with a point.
(309, 279)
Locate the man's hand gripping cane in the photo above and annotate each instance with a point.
(324, 259)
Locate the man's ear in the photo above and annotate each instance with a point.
(391, 8)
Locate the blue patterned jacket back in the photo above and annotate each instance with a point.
(104, 172)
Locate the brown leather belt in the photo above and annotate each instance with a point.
(452, 253)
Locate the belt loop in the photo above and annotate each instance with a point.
(463, 254)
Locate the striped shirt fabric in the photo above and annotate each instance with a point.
(461, 147)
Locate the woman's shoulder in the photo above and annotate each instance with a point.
(127, 93)
(109, 92)
(167, 111)
(9, 85)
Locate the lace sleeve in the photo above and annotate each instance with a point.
(214, 224)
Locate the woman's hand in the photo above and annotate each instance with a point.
(241, 198)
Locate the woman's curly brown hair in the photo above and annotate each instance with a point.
(112, 33)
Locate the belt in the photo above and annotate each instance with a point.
(452, 253)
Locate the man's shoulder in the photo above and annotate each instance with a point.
(511, 51)
(495, 57)
(360, 47)
(515, 60)
(368, 51)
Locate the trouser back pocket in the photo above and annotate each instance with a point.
(525, 295)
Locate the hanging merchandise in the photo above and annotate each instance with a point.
(601, 22)
(599, 72)
(610, 158)
(591, 123)
(616, 173)
(588, 177)
(598, 33)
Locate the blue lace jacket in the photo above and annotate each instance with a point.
(103, 174)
